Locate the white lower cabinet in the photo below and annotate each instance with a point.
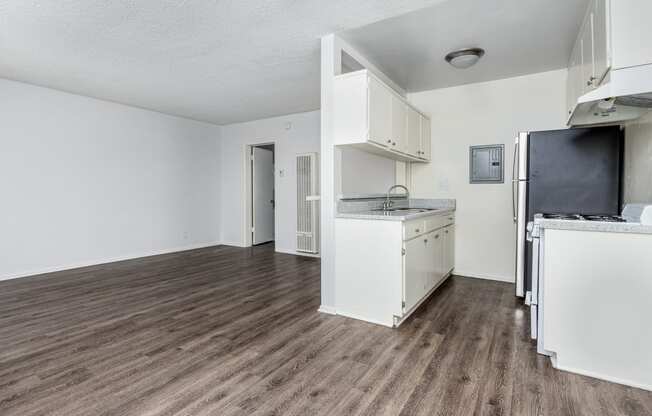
(448, 242)
(385, 269)
(416, 271)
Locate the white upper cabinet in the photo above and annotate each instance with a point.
(601, 44)
(399, 125)
(631, 32)
(371, 116)
(424, 152)
(413, 131)
(380, 113)
(614, 35)
(574, 81)
(586, 46)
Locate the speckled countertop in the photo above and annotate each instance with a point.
(600, 226)
(393, 215)
(369, 207)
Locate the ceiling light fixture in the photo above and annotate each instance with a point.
(464, 58)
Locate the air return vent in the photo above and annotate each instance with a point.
(307, 203)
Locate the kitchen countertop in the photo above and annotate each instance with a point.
(393, 215)
(600, 226)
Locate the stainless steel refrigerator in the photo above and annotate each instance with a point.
(573, 171)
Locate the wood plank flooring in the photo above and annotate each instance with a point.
(229, 331)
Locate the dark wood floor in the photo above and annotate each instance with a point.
(227, 331)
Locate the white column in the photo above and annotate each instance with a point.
(330, 183)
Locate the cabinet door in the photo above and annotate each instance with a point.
(380, 113)
(574, 81)
(601, 53)
(425, 138)
(437, 253)
(413, 132)
(414, 276)
(430, 265)
(399, 125)
(449, 249)
(587, 66)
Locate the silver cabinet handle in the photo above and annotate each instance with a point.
(446, 231)
(437, 236)
(393, 143)
(416, 230)
(425, 241)
(514, 181)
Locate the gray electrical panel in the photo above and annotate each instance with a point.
(486, 164)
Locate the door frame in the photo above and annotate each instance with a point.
(247, 191)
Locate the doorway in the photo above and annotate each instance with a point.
(263, 203)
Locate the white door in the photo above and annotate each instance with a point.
(262, 195)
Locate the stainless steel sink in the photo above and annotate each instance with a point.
(410, 210)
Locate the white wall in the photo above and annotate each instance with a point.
(638, 160)
(302, 137)
(475, 114)
(365, 173)
(85, 181)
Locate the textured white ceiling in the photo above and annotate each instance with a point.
(520, 37)
(220, 61)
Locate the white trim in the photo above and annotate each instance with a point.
(484, 276)
(246, 187)
(296, 253)
(599, 376)
(327, 309)
(359, 318)
(528, 298)
(97, 262)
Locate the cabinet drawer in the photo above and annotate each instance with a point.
(413, 228)
(438, 221)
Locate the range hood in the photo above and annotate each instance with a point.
(625, 94)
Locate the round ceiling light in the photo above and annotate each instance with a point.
(464, 58)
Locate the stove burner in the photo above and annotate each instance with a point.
(604, 218)
(562, 216)
(578, 217)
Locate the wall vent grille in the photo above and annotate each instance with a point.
(307, 203)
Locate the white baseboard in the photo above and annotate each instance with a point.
(327, 309)
(484, 276)
(296, 253)
(599, 376)
(96, 262)
(234, 244)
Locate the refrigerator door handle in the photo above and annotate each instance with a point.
(514, 181)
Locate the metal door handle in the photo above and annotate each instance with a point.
(514, 180)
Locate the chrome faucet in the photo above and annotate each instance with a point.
(388, 203)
